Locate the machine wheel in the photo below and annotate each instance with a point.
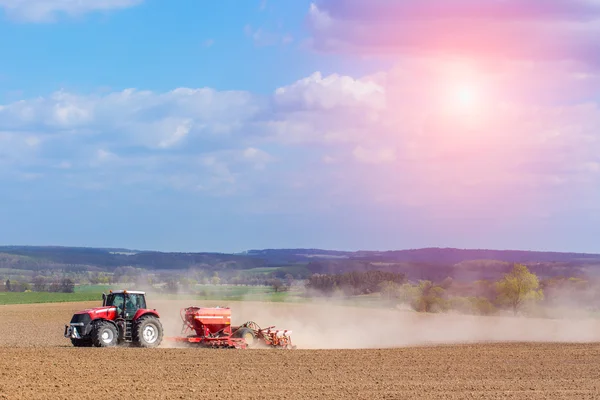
(82, 342)
(247, 334)
(105, 335)
(148, 332)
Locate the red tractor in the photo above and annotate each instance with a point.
(123, 318)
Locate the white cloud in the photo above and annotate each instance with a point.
(330, 92)
(171, 138)
(318, 18)
(49, 10)
(70, 110)
(311, 109)
(19, 148)
(219, 169)
(385, 134)
(131, 117)
(259, 158)
(104, 156)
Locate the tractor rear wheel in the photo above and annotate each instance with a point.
(247, 334)
(148, 332)
(105, 335)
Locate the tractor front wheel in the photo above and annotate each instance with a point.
(148, 332)
(105, 335)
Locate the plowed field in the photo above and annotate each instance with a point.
(36, 362)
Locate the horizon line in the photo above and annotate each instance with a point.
(242, 252)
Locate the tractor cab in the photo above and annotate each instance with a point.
(127, 302)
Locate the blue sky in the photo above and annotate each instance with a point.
(158, 45)
(225, 126)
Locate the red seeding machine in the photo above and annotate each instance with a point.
(211, 327)
(124, 318)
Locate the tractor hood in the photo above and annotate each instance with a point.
(98, 311)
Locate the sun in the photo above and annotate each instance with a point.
(462, 94)
(465, 99)
(466, 96)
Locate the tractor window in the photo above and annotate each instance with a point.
(115, 300)
(136, 301)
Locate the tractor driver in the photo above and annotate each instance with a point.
(132, 303)
(118, 302)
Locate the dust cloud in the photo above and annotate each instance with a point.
(322, 325)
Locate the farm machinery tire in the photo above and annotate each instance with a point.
(104, 334)
(247, 334)
(148, 332)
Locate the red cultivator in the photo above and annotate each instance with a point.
(211, 327)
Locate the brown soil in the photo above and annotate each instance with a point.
(36, 362)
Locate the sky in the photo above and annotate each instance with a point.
(230, 125)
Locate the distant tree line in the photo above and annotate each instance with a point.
(425, 264)
(86, 259)
(470, 270)
(40, 284)
(515, 291)
(477, 286)
(352, 283)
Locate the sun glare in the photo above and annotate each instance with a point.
(464, 100)
(466, 97)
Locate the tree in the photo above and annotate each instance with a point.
(517, 287)
(431, 298)
(39, 284)
(67, 286)
(277, 285)
(352, 283)
(407, 293)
